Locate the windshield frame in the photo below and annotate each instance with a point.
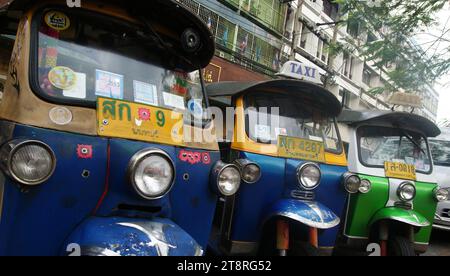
(340, 147)
(360, 158)
(34, 67)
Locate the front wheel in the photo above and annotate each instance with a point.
(401, 246)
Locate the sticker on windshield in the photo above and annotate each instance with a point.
(62, 77)
(57, 20)
(195, 107)
(174, 101)
(109, 85)
(145, 93)
(296, 148)
(262, 132)
(400, 171)
(78, 91)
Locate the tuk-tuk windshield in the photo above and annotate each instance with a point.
(272, 115)
(441, 152)
(83, 56)
(378, 145)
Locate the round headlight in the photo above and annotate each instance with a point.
(28, 162)
(251, 173)
(352, 183)
(152, 173)
(366, 186)
(406, 191)
(441, 195)
(309, 176)
(229, 180)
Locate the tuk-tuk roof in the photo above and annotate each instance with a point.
(396, 119)
(168, 11)
(326, 101)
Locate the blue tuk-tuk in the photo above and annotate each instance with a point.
(98, 118)
(293, 167)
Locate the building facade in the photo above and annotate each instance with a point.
(255, 37)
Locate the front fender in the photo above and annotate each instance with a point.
(312, 214)
(409, 217)
(133, 237)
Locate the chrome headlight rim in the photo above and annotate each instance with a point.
(16, 145)
(242, 164)
(369, 185)
(345, 179)
(441, 190)
(216, 172)
(400, 190)
(136, 160)
(299, 176)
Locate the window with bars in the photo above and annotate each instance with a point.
(244, 44)
(272, 13)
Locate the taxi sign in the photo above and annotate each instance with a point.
(296, 148)
(400, 171)
(300, 71)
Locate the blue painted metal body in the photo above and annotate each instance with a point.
(39, 220)
(133, 237)
(256, 202)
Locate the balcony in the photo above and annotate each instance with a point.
(271, 14)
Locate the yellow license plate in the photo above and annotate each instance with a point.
(127, 120)
(400, 171)
(296, 148)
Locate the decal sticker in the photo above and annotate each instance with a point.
(190, 157)
(280, 132)
(195, 107)
(61, 116)
(57, 20)
(206, 158)
(262, 132)
(193, 157)
(145, 93)
(120, 119)
(400, 171)
(62, 77)
(85, 152)
(79, 90)
(174, 101)
(109, 85)
(296, 148)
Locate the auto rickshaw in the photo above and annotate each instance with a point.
(99, 108)
(287, 145)
(394, 207)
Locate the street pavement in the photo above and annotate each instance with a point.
(440, 244)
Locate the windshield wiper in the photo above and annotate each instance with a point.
(412, 141)
(163, 44)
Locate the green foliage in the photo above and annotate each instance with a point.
(395, 22)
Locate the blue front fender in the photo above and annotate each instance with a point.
(133, 237)
(312, 214)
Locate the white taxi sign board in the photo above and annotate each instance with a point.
(301, 71)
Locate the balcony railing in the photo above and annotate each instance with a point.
(271, 13)
(242, 47)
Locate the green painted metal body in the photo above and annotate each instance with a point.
(366, 209)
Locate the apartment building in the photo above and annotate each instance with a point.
(255, 37)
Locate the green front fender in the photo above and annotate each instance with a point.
(401, 215)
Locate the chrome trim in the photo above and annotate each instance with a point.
(242, 163)
(441, 227)
(7, 152)
(219, 167)
(400, 188)
(138, 158)
(299, 172)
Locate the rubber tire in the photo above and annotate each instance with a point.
(401, 247)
